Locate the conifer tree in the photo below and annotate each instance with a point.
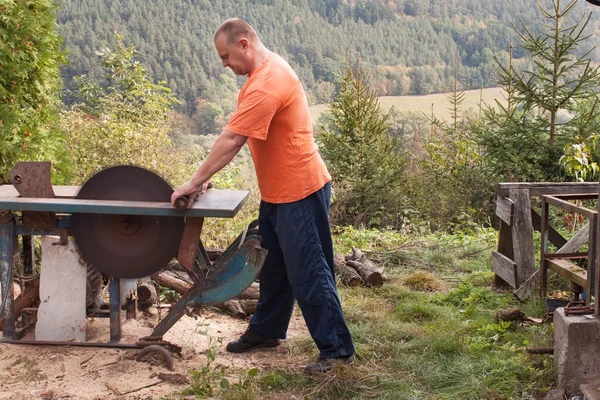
(559, 76)
(366, 163)
(525, 139)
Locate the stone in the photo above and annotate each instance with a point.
(576, 350)
(61, 314)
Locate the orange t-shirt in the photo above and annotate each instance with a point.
(273, 113)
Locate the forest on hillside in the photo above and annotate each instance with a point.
(409, 46)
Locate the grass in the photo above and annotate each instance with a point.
(428, 333)
(423, 103)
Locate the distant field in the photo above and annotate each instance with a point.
(423, 103)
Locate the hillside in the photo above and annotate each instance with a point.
(411, 46)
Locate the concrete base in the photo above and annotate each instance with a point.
(591, 391)
(61, 315)
(576, 350)
(556, 394)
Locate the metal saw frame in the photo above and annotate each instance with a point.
(46, 209)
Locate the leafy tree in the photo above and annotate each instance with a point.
(365, 161)
(577, 159)
(126, 123)
(30, 84)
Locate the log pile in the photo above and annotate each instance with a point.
(353, 270)
(357, 270)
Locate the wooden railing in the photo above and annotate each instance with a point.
(514, 262)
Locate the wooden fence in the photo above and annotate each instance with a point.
(514, 263)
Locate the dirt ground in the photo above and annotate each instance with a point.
(60, 372)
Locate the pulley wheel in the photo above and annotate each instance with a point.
(126, 246)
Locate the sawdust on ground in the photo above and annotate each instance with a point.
(60, 372)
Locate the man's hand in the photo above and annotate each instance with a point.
(189, 189)
(226, 146)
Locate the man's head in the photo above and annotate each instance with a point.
(237, 44)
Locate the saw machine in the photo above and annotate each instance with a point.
(124, 225)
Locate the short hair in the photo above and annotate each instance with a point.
(235, 28)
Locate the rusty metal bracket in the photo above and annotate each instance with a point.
(32, 180)
(63, 238)
(578, 307)
(155, 348)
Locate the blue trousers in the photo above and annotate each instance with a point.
(299, 267)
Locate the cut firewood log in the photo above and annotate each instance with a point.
(251, 293)
(372, 275)
(26, 299)
(238, 308)
(232, 307)
(349, 276)
(175, 266)
(172, 282)
(358, 255)
(146, 293)
(249, 306)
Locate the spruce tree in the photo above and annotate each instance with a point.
(559, 76)
(524, 140)
(366, 163)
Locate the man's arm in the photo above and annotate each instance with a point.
(226, 146)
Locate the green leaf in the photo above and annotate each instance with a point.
(224, 384)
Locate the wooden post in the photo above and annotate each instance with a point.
(522, 234)
(596, 283)
(544, 247)
(591, 264)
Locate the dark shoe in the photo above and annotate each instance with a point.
(250, 340)
(326, 364)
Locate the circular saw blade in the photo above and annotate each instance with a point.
(126, 246)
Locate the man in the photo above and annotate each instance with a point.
(273, 117)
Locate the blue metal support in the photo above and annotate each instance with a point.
(229, 276)
(115, 309)
(8, 242)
